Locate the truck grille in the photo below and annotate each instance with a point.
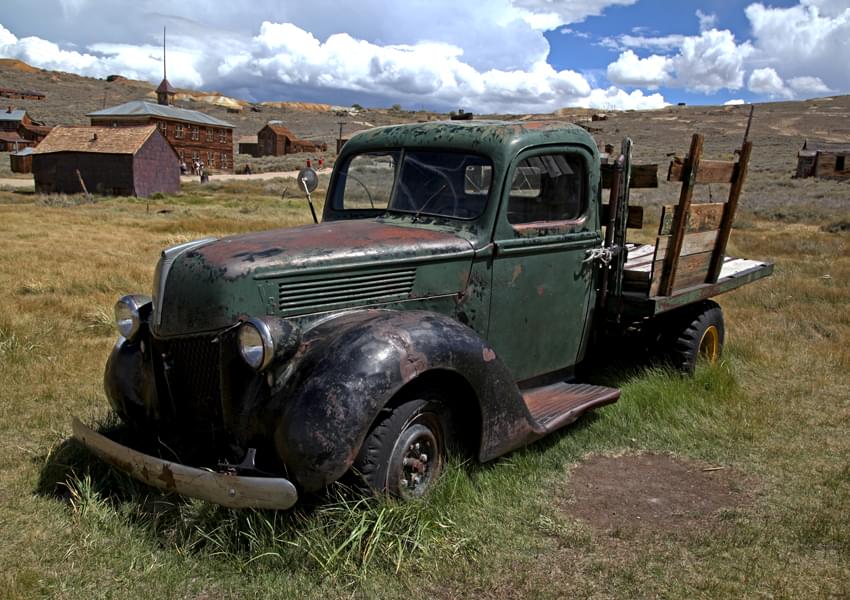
(365, 288)
(193, 376)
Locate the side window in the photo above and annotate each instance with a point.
(550, 187)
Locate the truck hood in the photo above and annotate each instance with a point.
(211, 286)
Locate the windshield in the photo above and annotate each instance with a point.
(445, 184)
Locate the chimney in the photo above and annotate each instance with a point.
(94, 137)
(9, 109)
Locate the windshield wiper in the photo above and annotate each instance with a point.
(428, 201)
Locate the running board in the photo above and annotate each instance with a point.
(559, 404)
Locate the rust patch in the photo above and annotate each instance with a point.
(167, 477)
(488, 354)
(541, 290)
(516, 274)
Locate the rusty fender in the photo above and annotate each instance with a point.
(129, 382)
(351, 366)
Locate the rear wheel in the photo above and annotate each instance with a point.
(405, 451)
(696, 334)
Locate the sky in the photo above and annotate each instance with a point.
(503, 56)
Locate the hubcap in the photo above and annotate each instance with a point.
(709, 344)
(416, 461)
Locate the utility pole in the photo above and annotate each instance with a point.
(339, 138)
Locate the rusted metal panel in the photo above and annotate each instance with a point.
(233, 491)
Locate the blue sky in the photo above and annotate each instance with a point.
(508, 56)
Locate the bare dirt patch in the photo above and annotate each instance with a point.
(652, 491)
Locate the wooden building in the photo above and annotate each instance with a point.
(248, 145)
(824, 159)
(21, 162)
(18, 123)
(10, 141)
(21, 94)
(120, 161)
(194, 135)
(276, 140)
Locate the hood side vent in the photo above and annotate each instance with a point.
(311, 295)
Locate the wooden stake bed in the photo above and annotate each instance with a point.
(688, 261)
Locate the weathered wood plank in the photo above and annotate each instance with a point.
(634, 220)
(710, 171)
(690, 270)
(680, 217)
(642, 176)
(701, 217)
(692, 243)
(729, 214)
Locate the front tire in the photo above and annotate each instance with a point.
(405, 451)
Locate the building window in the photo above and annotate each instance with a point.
(222, 135)
(210, 134)
(224, 160)
(163, 129)
(178, 131)
(196, 134)
(209, 159)
(839, 163)
(195, 156)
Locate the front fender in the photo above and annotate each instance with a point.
(350, 366)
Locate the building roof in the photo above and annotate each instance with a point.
(15, 115)
(826, 146)
(165, 86)
(141, 108)
(281, 130)
(99, 140)
(12, 137)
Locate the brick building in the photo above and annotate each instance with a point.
(194, 135)
(120, 161)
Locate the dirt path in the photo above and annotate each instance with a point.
(16, 183)
(253, 176)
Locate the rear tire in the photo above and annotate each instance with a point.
(696, 334)
(405, 451)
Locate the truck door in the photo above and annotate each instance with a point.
(542, 289)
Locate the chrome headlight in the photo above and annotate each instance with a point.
(266, 339)
(130, 311)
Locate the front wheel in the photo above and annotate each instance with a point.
(405, 451)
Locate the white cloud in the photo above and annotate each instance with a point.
(551, 14)
(705, 63)
(767, 81)
(804, 85)
(631, 70)
(811, 39)
(734, 102)
(616, 99)
(706, 21)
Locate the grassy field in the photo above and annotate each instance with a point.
(772, 420)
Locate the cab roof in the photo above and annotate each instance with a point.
(497, 139)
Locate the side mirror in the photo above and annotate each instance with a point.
(309, 180)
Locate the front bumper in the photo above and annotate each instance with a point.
(233, 491)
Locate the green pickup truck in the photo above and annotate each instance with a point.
(459, 275)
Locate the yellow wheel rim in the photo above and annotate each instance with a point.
(709, 344)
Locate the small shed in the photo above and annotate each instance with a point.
(120, 161)
(247, 144)
(276, 140)
(21, 162)
(824, 159)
